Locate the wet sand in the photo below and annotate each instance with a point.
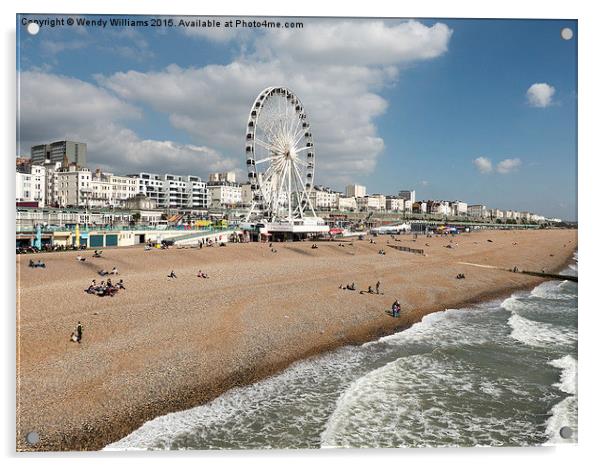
(164, 345)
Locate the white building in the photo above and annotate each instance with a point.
(408, 195)
(31, 187)
(73, 187)
(355, 190)
(459, 208)
(226, 177)
(323, 198)
(439, 208)
(348, 204)
(477, 211)
(51, 188)
(395, 204)
(225, 195)
(173, 191)
(373, 202)
(496, 214)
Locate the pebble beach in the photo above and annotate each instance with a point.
(168, 344)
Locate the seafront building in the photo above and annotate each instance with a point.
(31, 185)
(372, 203)
(324, 198)
(408, 195)
(173, 191)
(56, 176)
(65, 152)
(224, 195)
(477, 211)
(355, 190)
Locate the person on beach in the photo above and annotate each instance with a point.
(172, 275)
(81, 259)
(79, 332)
(378, 287)
(120, 284)
(114, 271)
(395, 308)
(201, 274)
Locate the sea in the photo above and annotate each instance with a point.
(501, 373)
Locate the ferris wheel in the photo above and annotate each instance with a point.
(280, 157)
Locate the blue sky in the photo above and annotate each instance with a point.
(393, 105)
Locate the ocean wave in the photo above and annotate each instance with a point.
(563, 414)
(245, 417)
(452, 327)
(420, 401)
(568, 376)
(534, 333)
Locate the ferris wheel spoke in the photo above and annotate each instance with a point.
(267, 159)
(267, 145)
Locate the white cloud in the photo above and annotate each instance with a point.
(540, 95)
(54, 107)
(508, 165)
(336, 68)
(373, 43)
(483, 164)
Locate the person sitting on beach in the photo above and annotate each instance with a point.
(31, 263)
(103, 272)
(147, 248)
(395, 308)
(351, 287)
(97, 253)
(515, 269)
(92, 288)
(460, 276)
(172, 275)
(40, 264)
(314, 246)
(120, 284)
(201, 274)
(81, 259)
(114, 271)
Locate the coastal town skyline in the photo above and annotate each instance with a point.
(390, 123)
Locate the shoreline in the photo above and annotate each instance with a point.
(116, 425)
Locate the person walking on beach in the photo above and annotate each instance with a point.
(378, 287)
(79, 331)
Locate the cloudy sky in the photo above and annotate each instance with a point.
(478, 110)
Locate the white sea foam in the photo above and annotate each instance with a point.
(564, 414)
(445, 328)
(418, 401)
(568, 376)
(548, 290)
(535, 333)
(236, 404)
